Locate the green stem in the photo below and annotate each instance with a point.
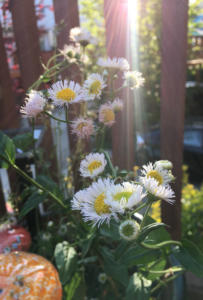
(37, 83)
(110, 164)
(32, 181)
(164, 282)
(160, 245)
(51, 116)
(170, 270)
(33, 138)
(139, 208)
(102, 137)
(149, 203)
(53, 58)
(66, 113)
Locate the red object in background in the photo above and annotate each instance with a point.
(13, 239)
(28, 276)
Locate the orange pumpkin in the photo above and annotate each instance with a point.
(14, 239)
(27, 276)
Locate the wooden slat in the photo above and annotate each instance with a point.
(8, 111)
(173, 77)
(116, 19)
(66, 12)
(27, 40)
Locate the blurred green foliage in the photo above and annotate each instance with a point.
(192, 211)
(92, 18)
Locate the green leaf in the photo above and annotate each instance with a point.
(50, 185)
(87, 260)
(7, 150)
(33, 201)
(136, 255)
(159, 266)
(118, 272)
(190, 257)
(158, 236)
(87, 244)
(149, 228)
(107, 255)
(110, 231)
(138, 288)
(66, 261)
(121, 249)
(23, 141)
(76, 288)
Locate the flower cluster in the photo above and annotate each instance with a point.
(96, 92)
(105, 199)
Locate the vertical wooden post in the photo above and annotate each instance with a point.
(8, 111)
(26, 35)
(117, 41)
(66, 17)
(173, 77)
(66, 14)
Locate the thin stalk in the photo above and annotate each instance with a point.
(170, 270)
(160, 245)
(66, 113)
(102, 137)
(53, 58)
(37, 83)
(164, 282)
(57, 119)
(33, 138)
(146, 214)
(35, 160)
(139, 208)
(32, 181)
(110, 164)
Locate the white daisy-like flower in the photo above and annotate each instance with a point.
(34, 104)
(71, 52)
(82, 36)
(161, 175)
(94, 208)
(78, 200)
(64, 92)
(124, 196)
(117, 104)
(93, 86)
(129, 230)
(107, 114)
(117, 63)
(163, 192)
(93, 165)
(83, 128)
(134, 79)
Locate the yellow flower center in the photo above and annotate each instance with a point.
(99, 205)
(154, 174)
(109, 115)
(94, 165)
(66, 95)
(121, 195)
(81, 125)
(95, 87)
